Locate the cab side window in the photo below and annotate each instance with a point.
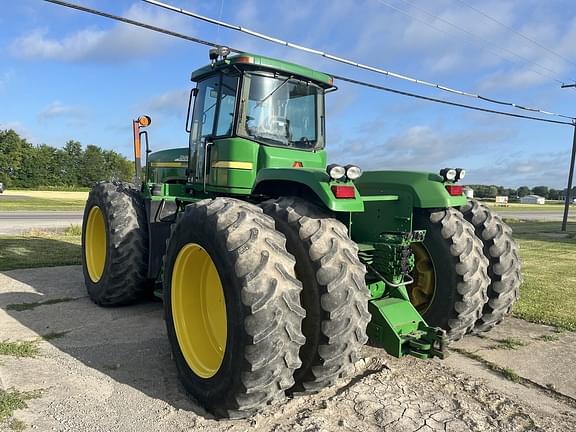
(227, 105)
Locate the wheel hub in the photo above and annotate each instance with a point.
(199, 310)
(95, 244)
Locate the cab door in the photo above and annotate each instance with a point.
(212, 120)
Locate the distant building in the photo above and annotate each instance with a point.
(532, 199)
(469, 192)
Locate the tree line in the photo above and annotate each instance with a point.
(24, 165)
(491, 191)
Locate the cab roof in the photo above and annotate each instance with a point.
(265, 63)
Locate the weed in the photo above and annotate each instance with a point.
(12, 400)
(547, 338)
(73, 230)
(510, 374)
(506, 372)
(508, 343)
(17, 425)
(28, 306)
(19, 348)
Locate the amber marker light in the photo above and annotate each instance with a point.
(144, 121)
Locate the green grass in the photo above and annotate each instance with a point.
(12, 203)
(547, 295)
(508, 344)
(12, 400)
(40, 250)
(506, 372)
(530, 207)
(547, 338)
(19, 348)
(52, 188)
(28, 306)
(17, 425)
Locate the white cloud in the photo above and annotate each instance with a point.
(419, 147)
(372, 33)
(5, 78)
(174, 102)
(549, 169)
(121, 41)
(59, 110)
(19, 128)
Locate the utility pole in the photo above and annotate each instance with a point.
(571, 172)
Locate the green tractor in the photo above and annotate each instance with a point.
(275, 268)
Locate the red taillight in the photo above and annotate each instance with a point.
(343, 191)
(455, 190)
(297, 164)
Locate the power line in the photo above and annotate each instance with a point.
(447, 102)
(135, 23)
(341, 78)
(470, 34)
(346, 61)
(513, 30)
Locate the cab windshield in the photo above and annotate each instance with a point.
(282, 111)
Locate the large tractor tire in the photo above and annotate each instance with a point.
(504, 266)
(115, 245)
(335, 295)
(450, 273)
(232, 304)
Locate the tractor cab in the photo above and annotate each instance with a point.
(251, 112)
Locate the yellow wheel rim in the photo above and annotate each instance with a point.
(95, 244)
(422, 291)
(199, 310)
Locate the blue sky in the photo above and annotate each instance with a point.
(68, 75)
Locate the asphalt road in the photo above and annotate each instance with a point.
(541, 215)
(17, 222)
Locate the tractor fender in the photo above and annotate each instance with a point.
(308, 183)
(420, 189)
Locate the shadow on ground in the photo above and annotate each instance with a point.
(128, 344)
(30, 251)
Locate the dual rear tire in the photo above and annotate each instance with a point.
(243, 331)
(115, 245)
(468, 272)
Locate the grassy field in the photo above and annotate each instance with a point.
(547, 295)
(42, 201)
(549, 262)
(40, 249)
(530, 207)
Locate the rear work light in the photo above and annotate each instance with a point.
(341, 192)
(455, 190)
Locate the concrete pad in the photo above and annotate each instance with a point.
(14, 223)
(113, 372)
(548, 363)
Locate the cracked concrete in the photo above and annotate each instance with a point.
(113, 372)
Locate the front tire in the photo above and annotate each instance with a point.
(335, 295)
(504, 268)
(115, 245)
(450, 274)
(232, 307)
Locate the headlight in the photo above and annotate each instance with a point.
(353, 172)
(335, 171)
(449, 174)
(461, 173)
